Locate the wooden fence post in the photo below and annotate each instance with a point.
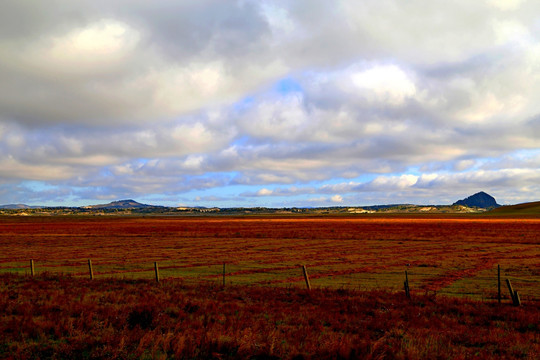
(518, 300)
(306, 277)
(223, 274)
(32, 267)
(406, 285)
(513, 294)
(90, 270)
(499, 283)
(156, 270)
(509, 284)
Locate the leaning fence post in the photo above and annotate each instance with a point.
(32, 267)
(306, 277)
(511, 290)
(90, 270)
(518, 300)
(513, 294)
(499, 283)
(156, 270)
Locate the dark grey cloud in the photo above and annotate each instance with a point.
(209, 28)
(23, 20)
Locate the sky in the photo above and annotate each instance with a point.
(269, 103)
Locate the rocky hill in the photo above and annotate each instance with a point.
(120, 204)
(481, 200)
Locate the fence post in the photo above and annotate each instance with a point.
(90, 270)
(511, 290)
(406, 285)
(156, 270)
(32, 267)
(223, 274)
(513, 294)
(499, 283)
(518, 300)
(306, 277)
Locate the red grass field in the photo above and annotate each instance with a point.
(356, 310)
(68, 318)
(450, 255)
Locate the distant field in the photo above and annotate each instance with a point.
(530, 208)
(456, 256)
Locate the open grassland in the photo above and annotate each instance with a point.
(445, 255)
(530, 208)
(357, 308)
(63, 317)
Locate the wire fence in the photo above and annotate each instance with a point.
(483, 283)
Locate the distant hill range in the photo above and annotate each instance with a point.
(481, 200)
(477, 203)
(121, 204)
(18, 207)
(530, 208)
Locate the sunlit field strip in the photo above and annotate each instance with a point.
(476, 286)
(442, 255)
(482, 285)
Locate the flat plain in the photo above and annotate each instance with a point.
(454, 255)
(357, 308)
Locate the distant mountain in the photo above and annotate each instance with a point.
(530, 208)
(121, 204)
(18, 206)
(481, 199)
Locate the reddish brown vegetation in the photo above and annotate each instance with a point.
(69, 318)
(454, 255)
(55, 316)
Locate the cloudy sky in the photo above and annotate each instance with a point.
(269, 103)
